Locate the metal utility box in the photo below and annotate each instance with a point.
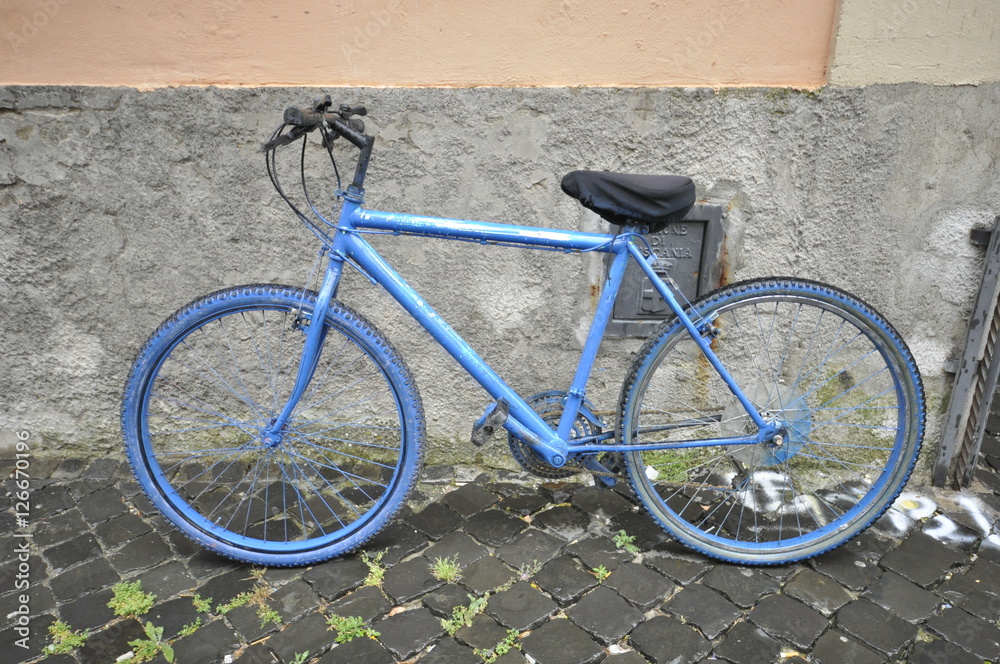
(690, 252)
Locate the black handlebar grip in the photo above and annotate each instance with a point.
(302, 118)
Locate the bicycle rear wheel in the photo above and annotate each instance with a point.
(818, 361)
(215, 376)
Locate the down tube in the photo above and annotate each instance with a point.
(549, 446)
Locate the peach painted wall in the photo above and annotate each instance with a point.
(147, 43)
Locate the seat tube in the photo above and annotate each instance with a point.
(605, 307)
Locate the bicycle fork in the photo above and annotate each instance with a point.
(315, 335)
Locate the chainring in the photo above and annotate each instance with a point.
(549, 406)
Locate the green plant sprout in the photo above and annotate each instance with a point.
(627, 542)
(349, 628)
(376, 572)
(256, 596)
(190, 628)
(446, 569)
(64, 639)
(129, 601)
(202, 605)
(145, 650)
(463, 615)
(489, 656)
(601, 572)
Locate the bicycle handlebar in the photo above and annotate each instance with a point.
(342, 122)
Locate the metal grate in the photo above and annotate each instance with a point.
(975, 381)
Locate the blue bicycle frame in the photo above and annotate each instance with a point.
(554, 446)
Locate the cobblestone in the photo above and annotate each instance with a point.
(669, 640)
(404, 634)
(875, 626)
(704, 608)
(562, 642)
(835, 647)
(742, 585)
(409, 580)
(486, 574)
(436, 520)
(922, 559)
(563, 579)
(605, 615)
(640, 585)
(367, 603)
(469, 499)
(903, 598)
(746, 644)
(979, 637)
(520, 607)
(783, 617)
(494, 527)
(817, 590)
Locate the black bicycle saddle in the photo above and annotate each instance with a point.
(623, 199)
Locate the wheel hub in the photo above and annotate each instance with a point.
(270, 437)
(782, 406)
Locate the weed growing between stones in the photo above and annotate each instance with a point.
(463, 615)
(601, 572)
(500, 649)
(256, 596)
(64, 639)
(349, 628)
(376, 571)
(190, 628)
(446, 569)
(626, 542)
(202, 605)
(524, 573)
(129, 601)
(146, 650)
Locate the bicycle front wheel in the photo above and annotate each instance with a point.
(816, 361)
(216, 375)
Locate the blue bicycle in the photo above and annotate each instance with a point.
(769, 421)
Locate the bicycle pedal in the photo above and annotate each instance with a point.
(493, 419)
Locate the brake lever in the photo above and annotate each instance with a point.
(293, 135)
(322, 104)
(347, 111)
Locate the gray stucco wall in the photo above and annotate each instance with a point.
(119, 206)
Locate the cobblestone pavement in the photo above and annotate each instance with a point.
(923, 585)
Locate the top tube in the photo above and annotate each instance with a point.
(478, 231)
